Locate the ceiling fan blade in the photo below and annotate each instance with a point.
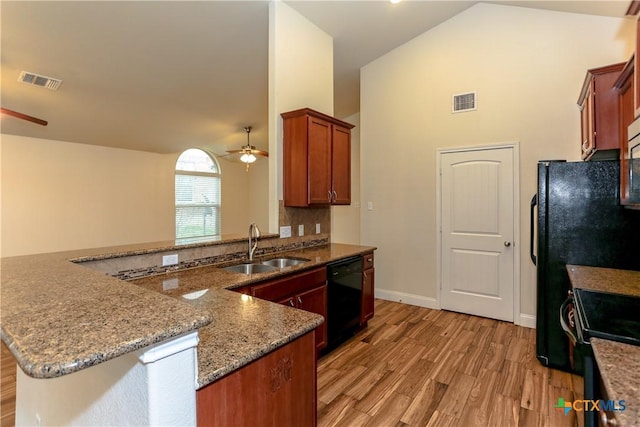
(23, 116)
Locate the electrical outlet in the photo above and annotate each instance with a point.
(317, 228)
(170, 284)
(301, 230)
(285, 231)
(369, 206)
(169, 260)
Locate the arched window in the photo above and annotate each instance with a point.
(197, 195)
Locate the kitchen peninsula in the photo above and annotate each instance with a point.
(60, 317)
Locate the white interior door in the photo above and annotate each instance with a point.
(477, 219)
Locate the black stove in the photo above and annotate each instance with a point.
(601, 315)
(614, 317)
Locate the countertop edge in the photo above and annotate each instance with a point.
(256, 354)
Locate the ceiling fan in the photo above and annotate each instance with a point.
(23, 116)
(248, 153)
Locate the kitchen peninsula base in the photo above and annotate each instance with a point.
(153, 386)
(278, 389)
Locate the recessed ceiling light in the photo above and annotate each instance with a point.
(394, 1)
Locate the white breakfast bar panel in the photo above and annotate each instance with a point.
(152, 386)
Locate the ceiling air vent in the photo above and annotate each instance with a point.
(38, 80)
(464, 102)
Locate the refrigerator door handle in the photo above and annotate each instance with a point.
(534, 203)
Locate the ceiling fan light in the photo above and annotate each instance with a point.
(248, 158)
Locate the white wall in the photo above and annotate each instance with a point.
(300, 75)
(345, 220)
(527, 67)
(59, 196)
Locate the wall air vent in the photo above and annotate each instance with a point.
(38, 80)
(464, 102)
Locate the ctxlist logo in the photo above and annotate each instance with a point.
(591, 405)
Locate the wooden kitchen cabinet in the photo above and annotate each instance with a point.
(599, 112)
(279, 389)
(315, 301)
(306, 291)
(317, 159)
(368, 288)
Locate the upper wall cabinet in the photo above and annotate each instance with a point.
(317, 159)
(599, 113)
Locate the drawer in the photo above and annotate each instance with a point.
(279, 289)
(367, 261)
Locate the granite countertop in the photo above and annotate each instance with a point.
(619, 366)
(244, 328)
(58, 317)
(626, 282)
(619, 363)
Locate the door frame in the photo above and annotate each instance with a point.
(515, 147)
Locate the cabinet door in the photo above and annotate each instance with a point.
(315, 301)
(586, 119)
(341, 166)
(368, 283)
(319, 161)
(277, 389)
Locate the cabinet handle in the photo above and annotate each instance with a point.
(335, 195)
(299, 300)
(369, 259)
(329, 193)
(291, 303)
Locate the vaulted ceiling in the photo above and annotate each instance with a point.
(168, 75)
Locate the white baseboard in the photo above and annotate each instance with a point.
(405, 298)
(525, 320)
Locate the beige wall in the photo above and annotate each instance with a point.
(300, 75)
(527, 67)
(345, 220)
(58, 195)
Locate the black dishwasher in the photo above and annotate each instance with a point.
(344, 299)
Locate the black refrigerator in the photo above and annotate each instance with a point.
(576, 218)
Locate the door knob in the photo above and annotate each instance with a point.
(507, 244)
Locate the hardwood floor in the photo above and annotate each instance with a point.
(7, 387)
(419, 367)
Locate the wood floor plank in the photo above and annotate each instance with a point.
(333, 389)
(375, 398)
(455, 398)
(390, 413)
(535, 393)
(332, 414)
(424, 403)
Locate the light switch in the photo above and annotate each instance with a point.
(369, 206)
(318, 228)
(301, 230)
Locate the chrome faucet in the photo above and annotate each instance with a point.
(254, 232)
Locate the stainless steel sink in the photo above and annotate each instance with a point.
(250, 268)
(284, 262)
